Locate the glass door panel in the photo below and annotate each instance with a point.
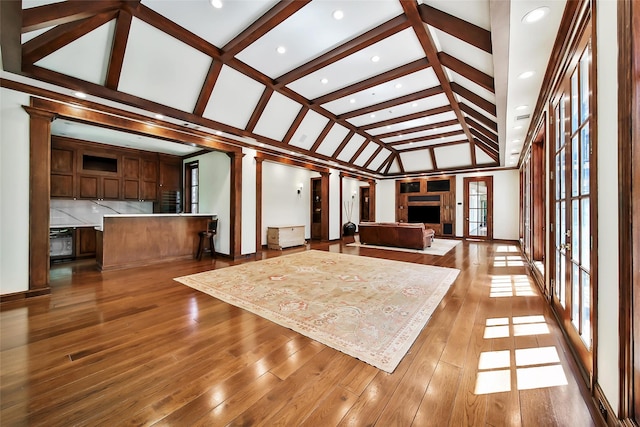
(478, 207)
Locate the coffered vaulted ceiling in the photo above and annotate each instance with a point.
(393, 87)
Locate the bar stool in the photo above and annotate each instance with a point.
(208, 234)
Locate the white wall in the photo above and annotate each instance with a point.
(335, 228)
(506, 203)
(607, 137)
(386, 201)
(248, 202)
(14, 192)
(281, 204)
(215, 194)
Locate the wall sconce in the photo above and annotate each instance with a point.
(299, 188)
(355, 193)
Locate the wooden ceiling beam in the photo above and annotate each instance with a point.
(427, 138)
(359, 150)
(397, 73)
(365, 40)
(267, 22)
(483, 129)
(432, 146)
(487, 106)
(488, 151)
(411, 10)
(10, 35)
(467, 71)
(295, 125)
(458, 28)
(60, 13)
(434, 161)
(257, 112)
(321, 137)
(430, 126)
(479, 117)
(207, 87)
(393, 102)
(343, 144)
(400, 164)
(372, 157)
(61, 35)
(489, 143)
(402, 119)
(120, 38)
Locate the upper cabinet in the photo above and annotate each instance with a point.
(94, 171)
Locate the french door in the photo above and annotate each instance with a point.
(478, 208)
(572, 279)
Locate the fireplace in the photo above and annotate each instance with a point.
(425, 214)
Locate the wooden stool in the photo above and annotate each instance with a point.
(208, 234)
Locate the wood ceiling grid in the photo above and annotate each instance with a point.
(407, 131)
(424, 36)
(414, 16)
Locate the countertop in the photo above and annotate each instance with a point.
(99, 227)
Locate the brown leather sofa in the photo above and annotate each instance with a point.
(399, 234)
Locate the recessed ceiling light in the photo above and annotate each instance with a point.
(324, 81)
(159, 116)
(517, 127)
(373, 116)
(514, 151)
(415, 104)
(522, 107)
(261, 145)
(80, 95)
(281, 49)
(388, 127)
(526, 75)
(216, 3)
(352, 101)
(218, 133)
(375, 58)
(535, 15)
(338, 14)
(398, 85)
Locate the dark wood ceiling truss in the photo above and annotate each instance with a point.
(74, 18)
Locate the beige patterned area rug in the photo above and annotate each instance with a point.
(438, 247)
(372, 309)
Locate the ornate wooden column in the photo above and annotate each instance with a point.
(259, 161)
(39, 198)
(235, 211)
(372, 200)
(324, 194)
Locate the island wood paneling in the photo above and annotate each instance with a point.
(132, 241)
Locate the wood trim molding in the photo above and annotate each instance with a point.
(290, 162)
(235, 208)
(39, 195)
(259, 161)
(628, 207)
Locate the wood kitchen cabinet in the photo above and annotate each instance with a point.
(85, 242)
(98, 187)
(170, 183)
(62, 172)
(140, 178)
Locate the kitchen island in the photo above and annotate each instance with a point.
(136, 240)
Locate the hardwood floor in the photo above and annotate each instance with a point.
(134, 347)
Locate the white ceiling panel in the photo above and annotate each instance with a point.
(380, 158)
(476, 11)
(25, 37)
(452, 156)
(359, 66)
(217, 26)
(321, 33)
(277, 117)
(86, 58)
(309, 130)
(333, 140)
(28, 4)
(472, 86)
(395, 167)
(118, 138)
(233, 99)
(161, 68)
(428, 142)
(366, 154)
(421, 134)
(352, 146)
(483, 158)
(436, 118)
(419, 160)
(420, 80)
(405, 109)
(469, 54)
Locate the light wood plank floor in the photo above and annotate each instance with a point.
(134, 347)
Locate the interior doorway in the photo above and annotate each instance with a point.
(478, 207)
(364, 204)
(316, 208)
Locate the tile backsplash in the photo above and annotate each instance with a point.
(89, 213)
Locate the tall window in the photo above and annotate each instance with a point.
(192, 180)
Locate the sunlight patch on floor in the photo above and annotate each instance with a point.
(510, 286)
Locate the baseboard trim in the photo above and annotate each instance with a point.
(17, 296)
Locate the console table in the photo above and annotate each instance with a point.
(285, 236)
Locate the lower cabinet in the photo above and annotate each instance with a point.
(85, 242)
(285, 237)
